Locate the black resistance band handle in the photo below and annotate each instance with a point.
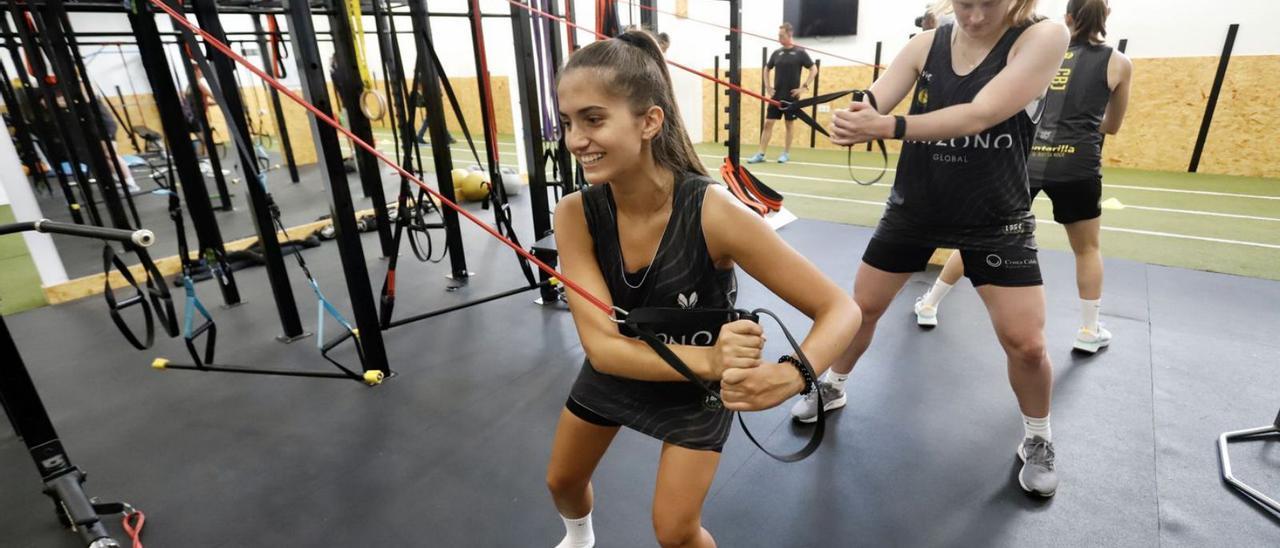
(638, 317)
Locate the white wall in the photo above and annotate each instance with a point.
(14, 187)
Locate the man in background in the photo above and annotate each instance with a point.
(786, 64)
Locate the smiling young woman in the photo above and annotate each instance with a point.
(654, 231)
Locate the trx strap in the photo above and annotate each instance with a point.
(796, 108)
(154, 299)
(729, 173)
(607, 23)
(279, 51)
(640, 317)
(496, 195)
(372, 103)
(190, 332)
(324, 306)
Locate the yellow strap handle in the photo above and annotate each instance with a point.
(372, 104)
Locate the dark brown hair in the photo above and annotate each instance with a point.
(1088, 20)
(632, 67)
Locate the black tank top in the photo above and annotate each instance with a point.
(682, 275)
(968, 192)
(1068, 145)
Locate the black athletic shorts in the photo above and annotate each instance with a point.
(1010, 267)
(588, 415)
(1074, 201)
(775, 113)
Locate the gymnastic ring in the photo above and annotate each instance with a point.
(376, 109)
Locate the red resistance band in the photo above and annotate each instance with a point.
(321, 116)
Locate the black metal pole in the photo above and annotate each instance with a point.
(21, 129)
(63, 480)
(764, 67)
(442, 158)
(310, 67)
(1213, 97)
(87, 135)
(875, 74)
(276, 107)
(178, 138)
(715, 101)
(530, 101)
(45, 133)
(260, 202)
(813, 111)
(195, 98)
(58, 116)
(370, 173)
(648, 15)
(734, 111)
(128, 121)
(67, 35)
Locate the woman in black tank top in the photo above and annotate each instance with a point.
(1087, 99)
(654, 231)
(962, 182)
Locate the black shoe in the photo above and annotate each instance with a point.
(452, 140)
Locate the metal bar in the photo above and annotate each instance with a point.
(764, 65)
(875, 75)
(42, 130)
(58, 116)
(442, 158)
(734, 111)
(1213, 97)
(310, 71)
(813, 111)
(527, 78)
(87, 136)
(260, 202)
(467, 304)
(715, 101)
(281, 127)
(251, 371)
(370, 172)
(82, 83)
(195, 98)
(648, 15)
(178, 138)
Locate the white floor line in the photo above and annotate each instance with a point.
(1044, 199)
(1105, 185)
(1107, 228)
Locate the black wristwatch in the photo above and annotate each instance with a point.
(809, 381)
(899, 127)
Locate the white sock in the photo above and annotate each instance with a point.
(578, 533)
(1033, 427)
(836, 380)
(934, 297)
(1089, 310)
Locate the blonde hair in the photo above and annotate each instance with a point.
(1021, 12)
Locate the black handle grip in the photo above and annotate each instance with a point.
(142, 237)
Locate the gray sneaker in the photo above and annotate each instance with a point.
(806, 410)
(1037, 476)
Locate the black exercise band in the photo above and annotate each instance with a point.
(899, 127)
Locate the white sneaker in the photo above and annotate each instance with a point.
(1091, 342)
(806, 410)
(926, 316)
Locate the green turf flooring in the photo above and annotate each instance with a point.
(19, 281)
